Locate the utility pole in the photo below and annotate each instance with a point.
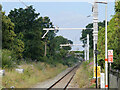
(106, 58)
(85, 53)
(87, 46)
(95, 26)
(95, 32)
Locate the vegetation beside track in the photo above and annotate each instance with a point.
(84, 74)
(33, 73)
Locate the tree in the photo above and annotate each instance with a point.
(9, 38)
(113, 40)
(61, 40)
(31, 26)
(23, 19)
(90, 32)
(117, 6)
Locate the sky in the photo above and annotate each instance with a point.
(67, 14)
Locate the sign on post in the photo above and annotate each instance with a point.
(110, 56)
(98, 72)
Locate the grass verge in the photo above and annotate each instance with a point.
(83, 75)
(33, 73)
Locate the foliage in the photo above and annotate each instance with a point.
(117, 6)
(8, 59)
(31, 26)
(33, 74)
(61, 40)
(90, 32)
(7, 32)
(23, 18)
(113, 40)
(22, 32)
(9, 38)
(83, 75)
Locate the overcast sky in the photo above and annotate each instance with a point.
(64, 14)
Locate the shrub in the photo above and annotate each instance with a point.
(8, 59)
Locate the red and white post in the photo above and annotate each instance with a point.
(106, 57)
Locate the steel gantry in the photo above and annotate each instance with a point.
(86, 50)
(57, 28)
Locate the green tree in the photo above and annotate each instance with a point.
(113, 40)
(9, 38)
(61, 40)
(90, 32)
(31, 26)
(117, 6)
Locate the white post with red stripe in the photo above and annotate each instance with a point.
(106, 58)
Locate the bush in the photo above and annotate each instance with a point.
(8, 59)
(40, 65)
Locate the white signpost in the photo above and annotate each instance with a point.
(102, 80)
(110, 56)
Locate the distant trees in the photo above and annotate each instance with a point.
(61, 40)
(90, 32)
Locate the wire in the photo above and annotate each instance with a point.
(23, 3)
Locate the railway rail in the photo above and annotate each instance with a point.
(65, 80)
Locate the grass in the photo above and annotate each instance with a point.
(84, 74)
(33, 73)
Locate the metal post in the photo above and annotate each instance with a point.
(96, 62)
(85, 53)
(106, 58)
(95, 28)
(45, 48)
(108, 75)
(87, 46)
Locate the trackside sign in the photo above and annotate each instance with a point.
(110, 56)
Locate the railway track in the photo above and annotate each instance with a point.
(65, 80)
